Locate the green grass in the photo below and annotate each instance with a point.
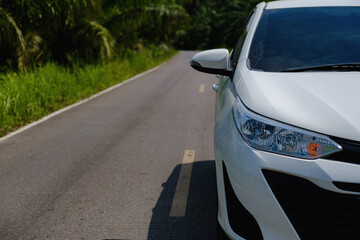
(27, 97)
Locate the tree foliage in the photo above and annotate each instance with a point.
(71, 31)
(68, 31)
(216, 23)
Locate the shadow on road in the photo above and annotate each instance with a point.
(200, 219)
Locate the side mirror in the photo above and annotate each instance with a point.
(214, 61)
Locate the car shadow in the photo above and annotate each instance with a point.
(200, 218)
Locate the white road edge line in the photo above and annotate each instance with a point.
(58, 112)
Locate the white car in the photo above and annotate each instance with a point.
(287, 132)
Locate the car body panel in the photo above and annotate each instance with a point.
(244, 166)
(311, 3)
(310, 100)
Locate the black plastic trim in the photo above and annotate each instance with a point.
(352, 187)
(316, 213)
(198, 67)
(350, 151)
(241, 220)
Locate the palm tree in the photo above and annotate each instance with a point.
(165, 22)
(66, 31)
(11, 38)
(145, 21)
(61, 30)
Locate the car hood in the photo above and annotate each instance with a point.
(324, 102)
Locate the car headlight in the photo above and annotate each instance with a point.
(269, 135)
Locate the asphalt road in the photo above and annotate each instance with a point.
(109, 168)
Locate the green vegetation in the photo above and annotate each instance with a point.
(30, 96)
(67, 32)
(56, 52)
(215, 23)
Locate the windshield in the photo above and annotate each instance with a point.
(306, 37)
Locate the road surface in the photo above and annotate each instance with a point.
(134, 163)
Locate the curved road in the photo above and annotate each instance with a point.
(109, 168)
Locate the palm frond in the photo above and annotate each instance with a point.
(34, 52)
(6, 16)
(105, 36)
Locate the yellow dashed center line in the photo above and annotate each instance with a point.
(178, 207)
(202, 88)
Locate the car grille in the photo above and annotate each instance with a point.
(353, 187)
(314, 212)
(241, 221)
(350, 152)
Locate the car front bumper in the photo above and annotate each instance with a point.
(287, 197)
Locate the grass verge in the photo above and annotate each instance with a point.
(25, 98)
